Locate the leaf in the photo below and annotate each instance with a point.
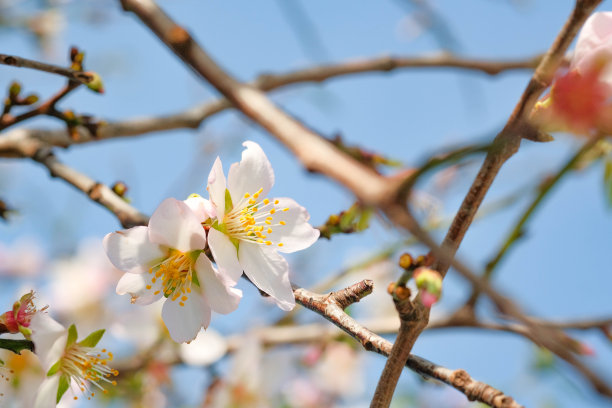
(16, 345)
(93, 339)
(64, 383)
(72, 335)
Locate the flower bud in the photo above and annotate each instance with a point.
(429, 283)
(120, 188)
(95, 84)
(14, 90)
(406, 261)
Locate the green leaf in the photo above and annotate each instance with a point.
(64, 383)
(72, 335)
(16, 345)
(228, 201)
(54, 368)
(93, 339)
(608, 180)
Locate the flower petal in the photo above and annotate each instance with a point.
(46, 395)
(202, 208)
(594, 40)
(136, 286)
(252, 173)
(174, 225)
(184, 322)
(131, 251)
(206, 349)
(297, 233)
(49, 338)
(216, 288)
(216, 187)
(269, 271)
(225, 254)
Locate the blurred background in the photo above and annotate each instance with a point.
(51, 242)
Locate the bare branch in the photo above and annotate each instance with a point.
(15, 61)
(193, 117)
(98, 192)
(330, 308)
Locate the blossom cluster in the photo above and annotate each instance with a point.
(239, 228)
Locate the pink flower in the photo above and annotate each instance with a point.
(250, 229)
(18, 320)
(166, 259)
(579, 99)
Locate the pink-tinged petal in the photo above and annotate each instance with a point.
(594, 40)
(216, 187)
(202, 208)
(174, 225)
(184, 322)
(131, 251)
(137, 287)
(46, 395)
(269, 271)
(49, 338)
(296, 233)
(252, 173)
(225, 254)
(216, 288)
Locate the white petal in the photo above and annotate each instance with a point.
(297, 233)
(49, 339)
(595, 37)
(269, 272)
(184, 322)
(136, 286)
(131, 251)
(202, 208)
(206, 349)
(216, 187)
(225, 254)
(174, 225)
(47, 392)
(252, 173)
(217, 289)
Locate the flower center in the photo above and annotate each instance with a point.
(88, 366)
(252, 219)
(175, 274)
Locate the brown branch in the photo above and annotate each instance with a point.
(192, 118)
(98, 192)
(330, 308)
(46, 108)
(15, 61)
(504, 146)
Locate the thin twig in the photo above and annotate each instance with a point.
(98, 192)
(193, 117)
(518, 229)
(15, 61)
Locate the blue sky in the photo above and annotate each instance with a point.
(558, 271)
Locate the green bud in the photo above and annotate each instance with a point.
(14, 90)
(95, 84)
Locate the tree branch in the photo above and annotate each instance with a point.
(193, 117)
(15, 61)
(98, 192)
